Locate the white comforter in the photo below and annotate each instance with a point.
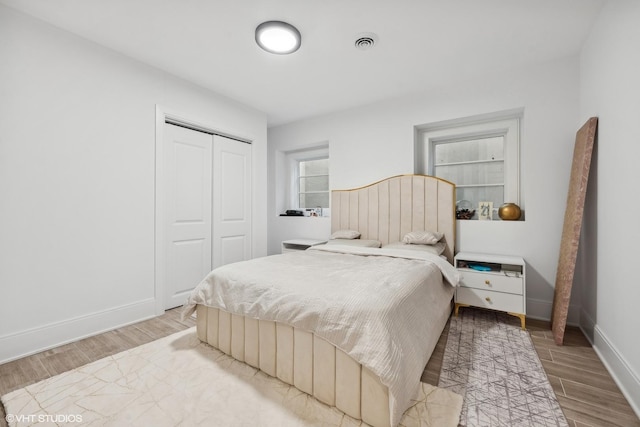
(372, 303)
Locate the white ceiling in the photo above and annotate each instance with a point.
(422, 43)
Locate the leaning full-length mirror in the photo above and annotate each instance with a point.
(585, 138)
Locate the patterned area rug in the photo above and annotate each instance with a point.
(492, 363)
(178, 380)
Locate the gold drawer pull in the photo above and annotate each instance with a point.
(487, 282)
(488, 299)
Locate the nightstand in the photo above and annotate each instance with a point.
(300, 244)
(497, 282)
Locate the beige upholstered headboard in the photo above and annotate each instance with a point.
(388, 209)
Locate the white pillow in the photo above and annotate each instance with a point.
(422, 237)
(345, 234)
(436, 249)
(356, 242)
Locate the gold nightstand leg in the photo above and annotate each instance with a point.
(522, 319)
(457, 306)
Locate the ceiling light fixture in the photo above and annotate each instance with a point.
(278, 37)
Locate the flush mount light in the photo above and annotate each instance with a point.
(278, 37)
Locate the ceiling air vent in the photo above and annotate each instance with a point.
(366, 41)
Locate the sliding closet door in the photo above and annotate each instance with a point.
(207, 208)
(231, 201)
(188, 202)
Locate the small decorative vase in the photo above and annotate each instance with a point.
(509, 212)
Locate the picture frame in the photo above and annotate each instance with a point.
(485, 211)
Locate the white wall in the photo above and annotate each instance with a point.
(377, 141)
(77, 136)
(609, 89)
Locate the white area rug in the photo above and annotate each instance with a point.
(178, 380)
(492, 363)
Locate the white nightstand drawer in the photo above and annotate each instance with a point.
(488, 299)
(492, 282)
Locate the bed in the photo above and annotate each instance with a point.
(353, 326)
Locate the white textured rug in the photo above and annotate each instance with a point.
(178, 380)
(492, 363)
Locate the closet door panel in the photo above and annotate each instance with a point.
(231, 201)
(188, 204)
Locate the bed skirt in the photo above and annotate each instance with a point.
(297, 357)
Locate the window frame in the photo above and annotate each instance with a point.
(507, 126)
(294, 158)
(299, 177)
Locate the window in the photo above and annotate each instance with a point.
(302, 174)
(313, 183)
(480, 156)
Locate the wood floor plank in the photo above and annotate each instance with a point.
(158, 328)
(132, 335)
(549, 344)
(597, 397)
(175, 316)
(584, 363)
(63, 359)
(537, 328)
(556, 384)
(431, 374)
(100, 346)
(17, 373)
(430, 377)
(602, 381)
(586, 352)
(574, 338)
(575, 352)
(595, 416)
(544, 354)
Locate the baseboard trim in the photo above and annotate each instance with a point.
(541, 309)
(587, 325)
(619, 369)
(35, 340)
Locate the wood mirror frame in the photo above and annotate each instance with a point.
(585, 138)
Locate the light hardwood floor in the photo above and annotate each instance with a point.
(587, 394)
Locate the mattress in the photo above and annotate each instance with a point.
(379, 311)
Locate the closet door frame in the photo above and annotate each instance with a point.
(164, 114)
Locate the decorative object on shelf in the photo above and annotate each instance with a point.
(463, 210)
(485, 211)
(294, 212)
(509, 212)
(479, 267)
